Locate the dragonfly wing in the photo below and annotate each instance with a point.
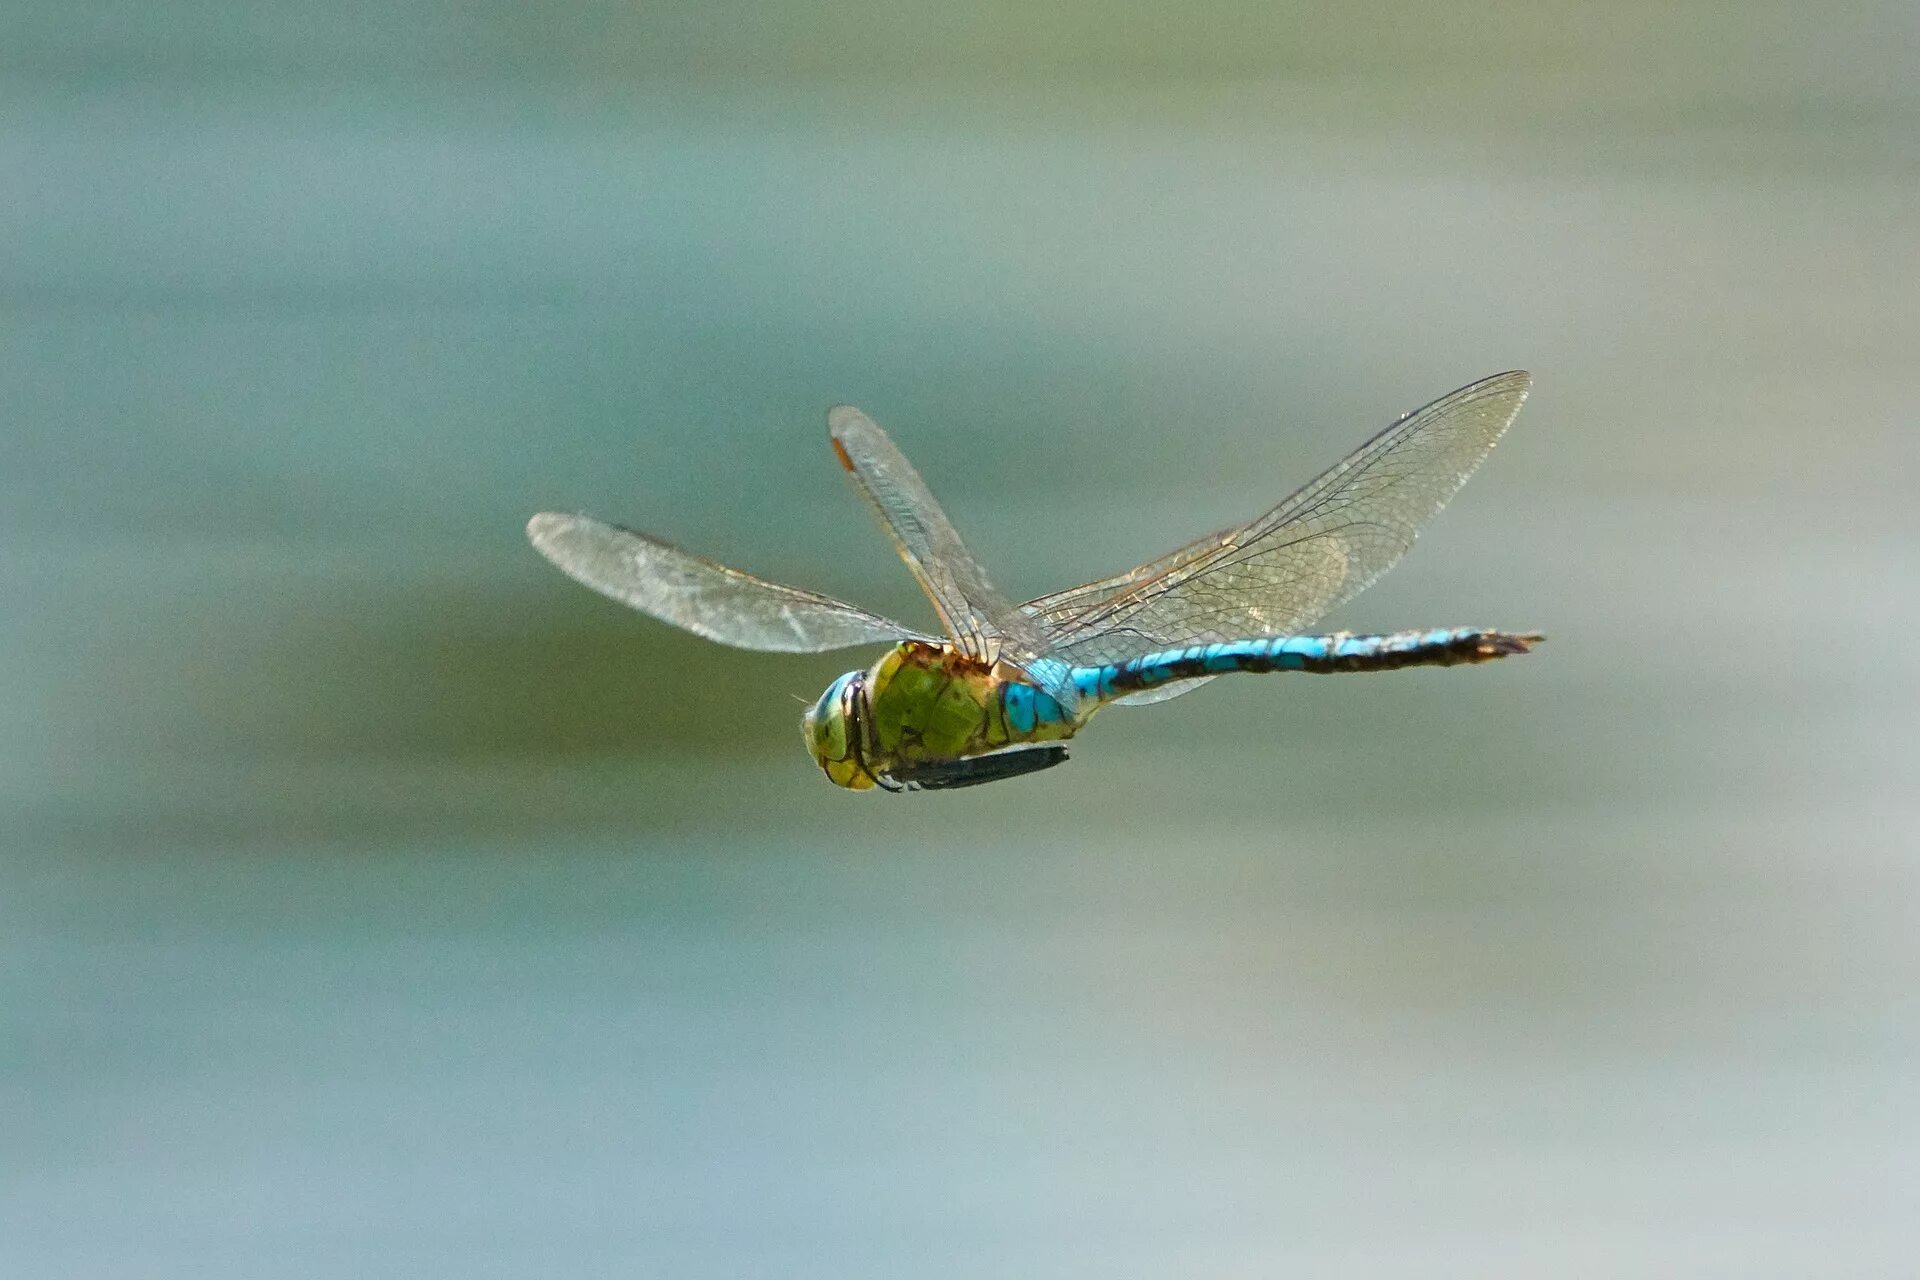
(1161, 692)
(1316, 550)
(702, 596)
(976, 617)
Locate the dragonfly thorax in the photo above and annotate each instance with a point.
(921, 708)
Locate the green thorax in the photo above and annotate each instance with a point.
(932, 703)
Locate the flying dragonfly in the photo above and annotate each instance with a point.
(1002, 687)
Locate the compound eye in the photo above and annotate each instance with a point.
(829, 723)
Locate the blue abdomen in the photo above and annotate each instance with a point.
(1331, 653)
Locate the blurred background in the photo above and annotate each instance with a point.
(376, 902)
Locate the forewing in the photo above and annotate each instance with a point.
(702, 596)
(977, 618)
(1316, 550)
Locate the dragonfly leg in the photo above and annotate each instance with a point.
(974, 770)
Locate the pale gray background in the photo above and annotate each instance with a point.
(377, 903)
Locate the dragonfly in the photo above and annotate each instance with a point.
(999, 691)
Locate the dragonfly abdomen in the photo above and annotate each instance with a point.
(1316, 654)
(1032, 711)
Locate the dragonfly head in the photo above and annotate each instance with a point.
(835, 732)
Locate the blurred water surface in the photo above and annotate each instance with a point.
(379, 903)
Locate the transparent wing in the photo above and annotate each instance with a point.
(702, 596)
(1161, 692)
(978, 619)
(1318, 549)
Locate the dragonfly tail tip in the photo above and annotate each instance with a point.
(1502, 644)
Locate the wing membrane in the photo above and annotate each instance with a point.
(975, 615)
(701, 595)
(1321, 547)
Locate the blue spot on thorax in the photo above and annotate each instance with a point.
(1018, 699)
